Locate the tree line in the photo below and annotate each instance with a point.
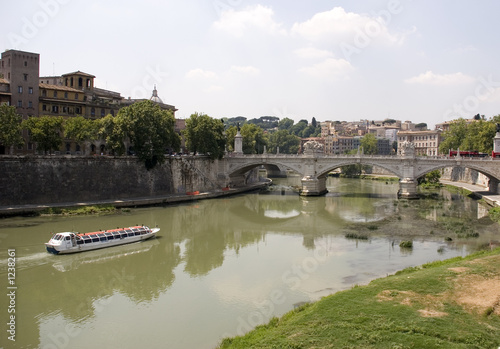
(477, 135)
(149, 132)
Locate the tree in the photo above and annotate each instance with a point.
(205, 135)
(45, 131)
(369, 144)
(285, 124)
(313, 122)
(453, 138)
(298, 128)
(287, 143)
(254, 138)
(150, 130)
(110, 131)
(10, 127)
(81, 129)
(477, 135)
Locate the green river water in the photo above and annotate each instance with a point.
(220, 267)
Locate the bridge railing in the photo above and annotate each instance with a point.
(354, 156)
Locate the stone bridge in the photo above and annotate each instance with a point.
(314, 167)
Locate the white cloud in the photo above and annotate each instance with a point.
(331, 68)
(200, 73)
(312, 53)
(237, 22)
(339, 26)
(429, 78)
(247, 70)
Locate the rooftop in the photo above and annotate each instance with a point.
(59, 88)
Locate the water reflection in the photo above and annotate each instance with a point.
(217, 262)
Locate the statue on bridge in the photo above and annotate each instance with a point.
(313, 147)
(407, 149)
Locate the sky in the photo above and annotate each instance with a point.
(420, 60)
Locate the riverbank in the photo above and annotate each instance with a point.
(132, 202)
(450, 304)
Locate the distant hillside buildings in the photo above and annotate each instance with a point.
(74, 94)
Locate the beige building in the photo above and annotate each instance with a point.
(68, 95)
(426, 142)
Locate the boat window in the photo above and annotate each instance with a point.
(87, 241)
(79, 242)
(116, 234)
(130, 233)
(102, 237)
(109, 236)
(137, 233)
(94, 238)
(68, 238)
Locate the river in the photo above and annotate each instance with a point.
(220, 267)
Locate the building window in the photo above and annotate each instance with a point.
(25, 63)
(55, 109)
(30, 90)
(44, 107)
(20, 89)
(66, 95)
(30, 104)
(102, 112)
(44, 93)
(92, 112)
(77, 109)
(25, 77)
(20, 104)
(76, 95)
(55, 93)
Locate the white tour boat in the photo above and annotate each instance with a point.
(70, 242)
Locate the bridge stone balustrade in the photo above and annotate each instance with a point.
(314, 168)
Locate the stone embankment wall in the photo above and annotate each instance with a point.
(466, 175)
(50, 179)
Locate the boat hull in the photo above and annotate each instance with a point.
(54, 249)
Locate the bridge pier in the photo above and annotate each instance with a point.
(313, 186)
(493, 185)
(408, 189)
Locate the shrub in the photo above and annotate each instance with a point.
(406, 244)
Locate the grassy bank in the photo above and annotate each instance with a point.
(449, 304)
(79, 210)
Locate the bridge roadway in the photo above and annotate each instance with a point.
(315, 166)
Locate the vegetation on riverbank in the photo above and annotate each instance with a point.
(449, 304)
(79, 211)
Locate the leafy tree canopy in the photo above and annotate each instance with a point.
(285, 124)
(46, 131)
(10, 126)
(150, 130)
(254, 138)
(287, 143)
(81, 129)
(205, 135)
(369, 144)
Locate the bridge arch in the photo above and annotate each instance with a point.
(244, 168)
(392, 169)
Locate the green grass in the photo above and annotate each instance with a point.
(495, 214)
(80, 210)
(385, 314)
(356, 236)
